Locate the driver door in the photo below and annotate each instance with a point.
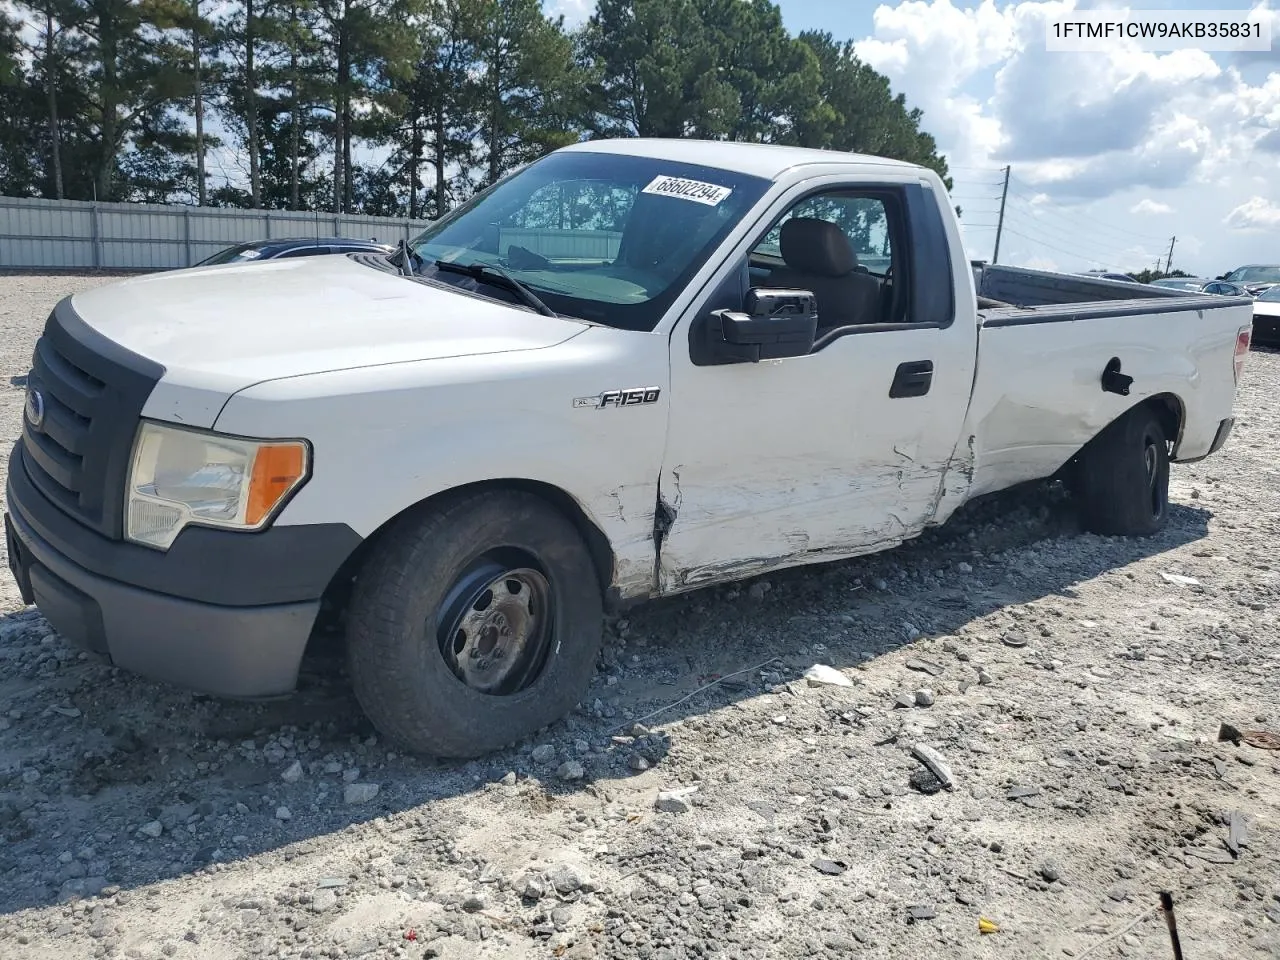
(844, 450)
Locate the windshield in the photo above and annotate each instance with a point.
(1271, 295)
(603, 237)
(1256, 275)
(241, 251)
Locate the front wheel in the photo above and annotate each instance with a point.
(1122, 478)
(474, 624)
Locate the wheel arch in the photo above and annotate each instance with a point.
(334, 599)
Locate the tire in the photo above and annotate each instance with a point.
(1122, 481)
(473, 624)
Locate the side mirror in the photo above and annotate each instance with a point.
(772, 325)
(1222, 277)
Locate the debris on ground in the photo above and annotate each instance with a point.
(140, 820)
(821, 675)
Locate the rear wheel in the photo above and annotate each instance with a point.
(1122, 478)
(474, 624)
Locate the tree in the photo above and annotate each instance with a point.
(54, 51)
(650, 63)
(133, 66)
(865, 115)
(531, 87)
(200, 30)
(369, 44)
(19, 159)
(442, 113)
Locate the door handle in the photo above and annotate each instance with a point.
(912, 379)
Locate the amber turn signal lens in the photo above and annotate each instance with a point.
(277, 468)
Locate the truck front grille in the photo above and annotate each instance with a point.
(91, 392)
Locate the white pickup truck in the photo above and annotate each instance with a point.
(631, 369)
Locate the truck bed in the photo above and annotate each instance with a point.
(1020, 288)
(1044, 342)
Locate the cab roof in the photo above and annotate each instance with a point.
(765, 160)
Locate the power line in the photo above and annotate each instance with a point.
(1044, 243)
(1061, 234)
(1093, 224)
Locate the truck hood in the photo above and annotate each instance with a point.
(223, 328)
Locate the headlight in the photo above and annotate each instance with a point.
(180, 476)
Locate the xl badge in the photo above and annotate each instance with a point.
(630, 397)
(35, 408)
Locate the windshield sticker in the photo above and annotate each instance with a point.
(695, 190)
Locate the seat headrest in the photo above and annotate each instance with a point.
(810, 245)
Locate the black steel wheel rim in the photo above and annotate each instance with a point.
(495, 625)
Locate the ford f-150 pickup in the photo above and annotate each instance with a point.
(630, 369)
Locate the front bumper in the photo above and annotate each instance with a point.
(221, 612)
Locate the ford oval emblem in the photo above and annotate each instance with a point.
(35, 408)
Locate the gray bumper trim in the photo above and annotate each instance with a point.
(224, 651)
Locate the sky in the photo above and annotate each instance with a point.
(1111, 154)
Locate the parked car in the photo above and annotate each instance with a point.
(294, 247)
(1255, 277)
(1107, 275)
(1224, 289)
(1189, 284)
(476, 452)
(1266, 317)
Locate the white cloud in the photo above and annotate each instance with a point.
(1090, 135)
(1256, 213)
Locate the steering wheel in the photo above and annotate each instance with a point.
(523, 258)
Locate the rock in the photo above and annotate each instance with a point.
(351, 776)
(567, 878)
(571, 770)
(821, 675)
(673, 801)
(509, 779)
(152, 829)
(544, 753)
(936, 763)
(922, 912)
(292, 773)
(359, 792)
(1022, 793)
(1050, 871)
(984, 678)
(284, 813)
(832, 868)
(531, 887)
(473, 904)
(925, 666)
(638, 763)
(1015, 640)
(924, 697)
(323, 899)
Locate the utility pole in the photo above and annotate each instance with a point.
(995, 257)
(1168, 261)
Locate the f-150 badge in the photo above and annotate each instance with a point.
(630, 397)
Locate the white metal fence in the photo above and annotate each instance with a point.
(76, 234)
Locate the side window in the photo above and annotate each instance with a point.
(844, 246)
(863, 220)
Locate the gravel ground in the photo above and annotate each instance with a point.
(1074, 685)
